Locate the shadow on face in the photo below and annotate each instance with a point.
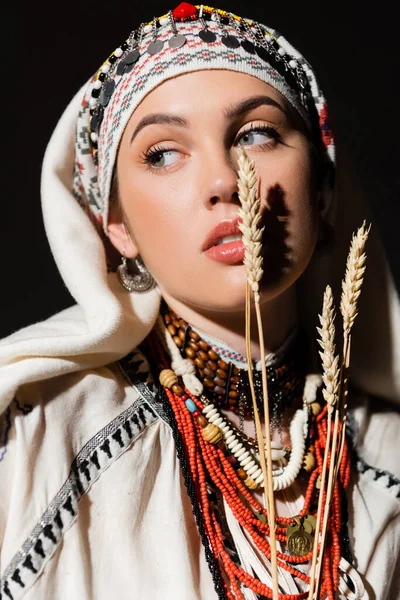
(276, 250)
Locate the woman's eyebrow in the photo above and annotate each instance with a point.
(243, 106)
(234, 110)
(159, 118)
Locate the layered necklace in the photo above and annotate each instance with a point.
(227, 385)
(221, 468)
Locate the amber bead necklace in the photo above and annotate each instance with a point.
(288, 461)
(226, 384)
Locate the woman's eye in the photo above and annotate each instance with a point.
(159, 158)
(258, 136)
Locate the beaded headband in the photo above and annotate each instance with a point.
(189, 38)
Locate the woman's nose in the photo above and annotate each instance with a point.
(220, 183)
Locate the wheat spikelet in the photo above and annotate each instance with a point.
(330, 378)
(330, 362)
(336, 385)
(351, 285)
(250, 220)
(252, 235)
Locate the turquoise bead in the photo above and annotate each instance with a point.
(190, 405)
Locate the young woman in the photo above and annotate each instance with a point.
(129, 465)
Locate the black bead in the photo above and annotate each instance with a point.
(248, 46)
(96, 119)
(207, 36)
(274, 44)
(124, 46)
(121, 68)
(263, 53)
(102, 76)
(95, 93)
(128, 68)
(110, 87)
(131, 57)
(230, 41)
(104, 99)
(94, 122)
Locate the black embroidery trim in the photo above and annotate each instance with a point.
(16, 577)
(393, 483)
(359, 465)
(390, 481)
(58, 520)
(95, 460)
(118, 438)
(7, 591)
(38, 547)
(103, 448)
(28, 564)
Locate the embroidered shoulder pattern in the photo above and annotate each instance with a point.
(6, 423)
(99, 452)
(383, 478)
(136, 367)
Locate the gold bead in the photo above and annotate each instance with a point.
(316, 408)
(168, 378)
(221, 445)
(309, 462)
(242, 473)
(212, 433)
(202, 421)
(177, 389)
(250, 483)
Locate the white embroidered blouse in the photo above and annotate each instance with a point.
(93, 504)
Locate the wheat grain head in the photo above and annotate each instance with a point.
(330, 362)
(250, 220)
(351, 284)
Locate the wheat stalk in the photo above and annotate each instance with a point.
(330, 379)
(351, 289)
(252, 234)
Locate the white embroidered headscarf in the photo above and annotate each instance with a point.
(107, 322)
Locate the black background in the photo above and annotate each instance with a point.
(52, 49)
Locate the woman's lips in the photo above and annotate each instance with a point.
(229, 253)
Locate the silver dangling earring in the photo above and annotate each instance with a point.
(141, 283)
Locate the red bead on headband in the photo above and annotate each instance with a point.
(184, 11)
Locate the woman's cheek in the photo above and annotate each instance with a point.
(292, 199)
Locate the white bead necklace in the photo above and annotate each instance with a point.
(284, 477)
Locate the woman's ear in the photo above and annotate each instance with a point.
(119, 235)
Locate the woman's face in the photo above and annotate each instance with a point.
(177, 181)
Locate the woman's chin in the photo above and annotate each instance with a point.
(218, 290)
